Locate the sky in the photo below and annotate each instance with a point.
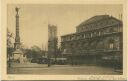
(34, 19)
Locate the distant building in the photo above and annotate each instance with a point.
(52, 41)
(96, 41)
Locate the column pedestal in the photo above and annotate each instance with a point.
(18, 56)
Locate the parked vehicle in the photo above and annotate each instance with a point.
(34, 60)
(60, 61)
(42, 61)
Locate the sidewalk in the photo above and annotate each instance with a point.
(27, 65)
(35, 65)
(33, 68)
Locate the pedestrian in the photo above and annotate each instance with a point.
(49, 63)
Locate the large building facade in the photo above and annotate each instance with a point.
(98, 40)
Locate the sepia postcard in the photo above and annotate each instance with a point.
(64, 40)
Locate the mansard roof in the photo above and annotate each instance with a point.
(97, 22)
(99, 18)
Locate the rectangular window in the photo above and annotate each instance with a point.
(91, 34)
(111, 45)
(99, 33)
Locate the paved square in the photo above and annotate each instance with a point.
(43, 69)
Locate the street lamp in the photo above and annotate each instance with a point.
(49, 59)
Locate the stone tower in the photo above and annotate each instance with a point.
(52, 40)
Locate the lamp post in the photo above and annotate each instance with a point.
(49, 59)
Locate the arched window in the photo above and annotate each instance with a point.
(111, 44)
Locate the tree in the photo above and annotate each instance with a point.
(34, 52)
(10, 38)
(36, 48)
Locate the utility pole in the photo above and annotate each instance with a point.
(55, 48)
(49, 59)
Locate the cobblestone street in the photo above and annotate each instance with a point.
(34, 68)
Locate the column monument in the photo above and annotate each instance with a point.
(17, 54)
